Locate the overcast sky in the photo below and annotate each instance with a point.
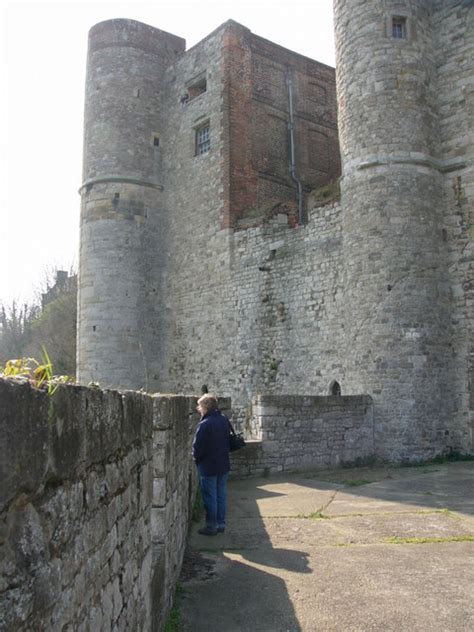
(42, 73)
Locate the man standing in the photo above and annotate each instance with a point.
(211, 455)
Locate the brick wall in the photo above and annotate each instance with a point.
(256, 148)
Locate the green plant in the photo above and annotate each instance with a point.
(39, 374)
(452, 538)
(328, 192)
(453, 456)
(316, 515)
(198, 507)
(361, 461)
(274, 364)
(174, 617)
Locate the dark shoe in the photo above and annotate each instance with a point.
(220, 529)
(207, 531)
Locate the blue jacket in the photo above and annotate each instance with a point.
(211, 444)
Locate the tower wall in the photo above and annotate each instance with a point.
(121, 200)
(398, 344)
(453, 23)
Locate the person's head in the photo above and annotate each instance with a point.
(206, 404)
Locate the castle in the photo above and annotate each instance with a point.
(209, 256)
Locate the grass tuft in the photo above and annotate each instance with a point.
(198, 507)
(316, 515)
(453, 538)
(174, 617)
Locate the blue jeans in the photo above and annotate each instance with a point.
(214, 497)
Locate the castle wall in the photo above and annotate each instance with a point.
(197, 272)
(231, 325)
(274, 320)
(96, 498)
(174, 492)
(76, 494)
(453, 25)
(302, 433)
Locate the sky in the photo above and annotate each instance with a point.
(43, 48)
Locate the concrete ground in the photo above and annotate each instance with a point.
(359, 550)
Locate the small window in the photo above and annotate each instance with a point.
(399, 27)
(203, 139)
(196, 89)
(156, 141)
(335, 389)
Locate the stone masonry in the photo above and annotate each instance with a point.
(199, 268)
(97, 490)
(303, 433)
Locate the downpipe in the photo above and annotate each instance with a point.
(291, 132)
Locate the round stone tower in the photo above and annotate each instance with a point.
(120, 198)
(398, 343)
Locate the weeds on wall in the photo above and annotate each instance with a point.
(39, 374)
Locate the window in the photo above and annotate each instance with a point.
(197, 88)
(203, 139)
(399, 27)
(194, 89)
(335, 389)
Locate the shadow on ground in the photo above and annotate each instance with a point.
(361, 549)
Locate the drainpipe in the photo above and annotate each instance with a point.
(291, 130)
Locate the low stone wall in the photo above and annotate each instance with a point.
(89, 540)
(174, 491)
(302, 432)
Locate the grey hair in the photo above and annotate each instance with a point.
(208, 401)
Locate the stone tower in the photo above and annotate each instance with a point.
(121, 198)
(395, 201)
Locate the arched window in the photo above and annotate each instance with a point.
(335, 388)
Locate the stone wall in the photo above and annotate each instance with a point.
(81, 538)
(405, 336)
(301, 433)
(454, 35)
(273, 299)
(174, 490)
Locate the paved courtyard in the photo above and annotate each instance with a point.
(364, 549)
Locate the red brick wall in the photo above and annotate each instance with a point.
(257, 181)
